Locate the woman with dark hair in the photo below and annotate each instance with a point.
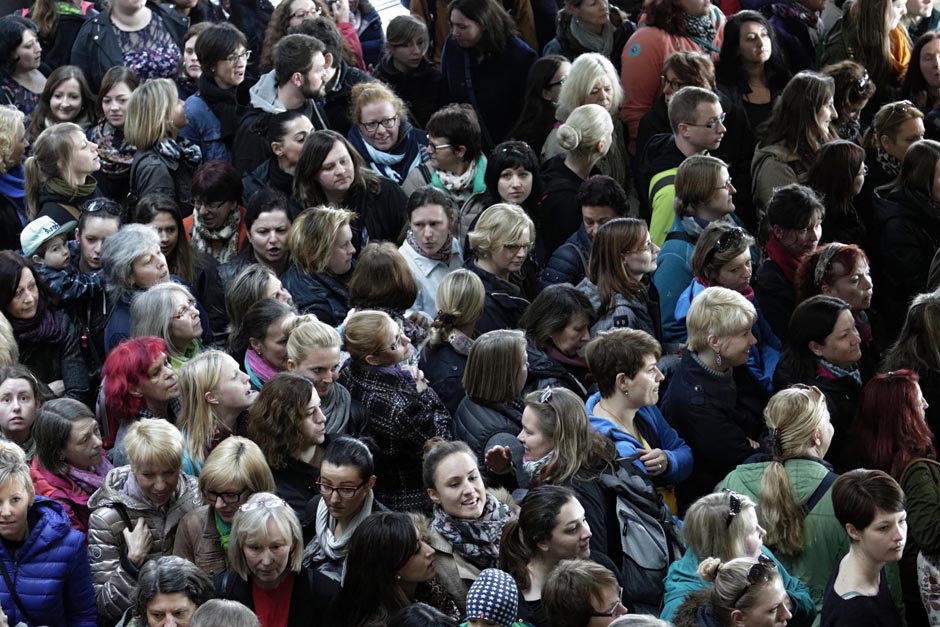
(853, 91)
(752, 69)
(823, 349)
(267, 221)
(796, 130)
(216, 226)
(670, 25)
(286, 133)
(70, 463)
(146, 37)
(922, 81)
(21, 81)
(260, 342)
(22, 396)
(512, 176)
(189, 69)
(47, 337)
(404, 412)
(388, 566)
(557, 326)
(481, 62)
(330, 172)
(622, 258)
(790, 230)
(65, 98)
(543, 85)
(214, 111)
(597, 27)
(114, 152)
(168, 587)
(838, 176)
(286, 422)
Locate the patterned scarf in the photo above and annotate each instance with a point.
(841, 372)
(795, 11)
(477, 541)
(227, 235)
(116, 155)
(443, 254)
(459, 341)
(180, 149)
(460, 186)
(90, 480)
(850, 130)
(889, 164)
(532, 467)
(701, 28)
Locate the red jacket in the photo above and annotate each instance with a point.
(64, 491)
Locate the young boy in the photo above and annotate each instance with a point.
(493, 600)
(44, 243)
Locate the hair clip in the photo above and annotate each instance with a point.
(822, 264)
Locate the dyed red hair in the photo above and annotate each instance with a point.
(890, 429)
(847, 258)
(127, 364)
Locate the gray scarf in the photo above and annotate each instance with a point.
(336, 407)
(326, 552)
(601, 44)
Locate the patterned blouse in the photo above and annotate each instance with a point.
(15, 94)
(151, 51)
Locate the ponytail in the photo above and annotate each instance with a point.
(782, 518)
(33, 185)
(515, 554)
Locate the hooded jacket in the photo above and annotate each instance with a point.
(49, 572)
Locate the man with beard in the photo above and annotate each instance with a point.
(298, 80)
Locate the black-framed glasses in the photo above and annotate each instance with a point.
(760, 572)
(235, 57)
(346, 492)
(734, 506)
(617, 609)
(106, 205)
(229, 498)
(371, 127)
(671, 84)
(711, 123)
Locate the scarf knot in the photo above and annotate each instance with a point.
(443, 254)
(477, 541)
(221, 243)
(180, 149)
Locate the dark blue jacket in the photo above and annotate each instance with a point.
(503, 305)
(372, 38)
(443, 368)
(319, 294)
(568, 263)
(50, 572)
(476, 422)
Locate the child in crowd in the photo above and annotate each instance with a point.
(493, 599)
(44, 242)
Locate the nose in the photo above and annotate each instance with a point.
(732, 189)
(219, 503)
(721, 127)
(96, 441)
(659, 375)
(786, 614)
(521, 436)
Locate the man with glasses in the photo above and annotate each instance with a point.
(582, 593)
(298, 80)
(697, 122)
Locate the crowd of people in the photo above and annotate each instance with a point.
(529, 313)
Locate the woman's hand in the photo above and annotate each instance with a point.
(421, 319)
(655, 460)
(498, 460)
(4, 621)
(57, 387)
(340, 11)
(420, 382)
(138, 542)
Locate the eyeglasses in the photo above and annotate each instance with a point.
(673, 85)
(184, 309)
(268, 503)
(516, 248)
(760, 572)
(371, 127)
(299, 15)
(727, 185)
(210, 206)
(236, 57)
(97, 205)
(398, 340)
(711, 123)
(327, 490)
(617, 609)
(229, 498)
(734, 506)
(645, 248)
(432, 148)
(864, 170)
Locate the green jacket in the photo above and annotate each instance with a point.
(921, 484)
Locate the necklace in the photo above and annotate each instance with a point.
(619, 421)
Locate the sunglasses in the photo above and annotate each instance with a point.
(760, 572)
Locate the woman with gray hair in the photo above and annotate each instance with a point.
(266, 574)
(168, 587)
(215, 612)
(169, 311)
(714, 400)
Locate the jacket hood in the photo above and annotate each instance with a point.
(264, 94)
(773, 151)
(112, 492)
(685, 298)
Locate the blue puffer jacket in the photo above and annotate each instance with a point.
(568, 263)
(50, 572)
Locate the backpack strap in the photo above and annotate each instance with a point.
(584, 261)
(816, 496)
(680, 235)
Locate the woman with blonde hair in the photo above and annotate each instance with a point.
(404, 412)
(169, 311)
(233, 471)
(215, 395)
(592, 79)
(724, 525)
(313, 350)
(164, 162)
(794, 488)
(322, 250)
(382, 133)
(254, 282)
(622, 258)
(895, 126)
(13, 209)
(460, 299)
(501, 241)
(59, 173)
(586, 136)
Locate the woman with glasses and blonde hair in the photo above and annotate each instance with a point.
(404, 411)
(215, 397)
(622, 258)
(232, 472)
(321, 250)
(266, 572)
(793, 488)
(724, 525)
(501, 241)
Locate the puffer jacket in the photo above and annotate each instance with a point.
(197, 539)
(476, 421)
(504, 303)
(568, 264)
(50, 572)
(321, 294)
(114, 576)
(637, 312)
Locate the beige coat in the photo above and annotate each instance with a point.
(197, 539)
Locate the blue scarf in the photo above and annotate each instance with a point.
(13, 182)
(408, 154)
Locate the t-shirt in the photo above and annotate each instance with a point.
(273, 606)
(859, 610)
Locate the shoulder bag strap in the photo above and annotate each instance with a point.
(15, 596)
(907, 469)
(816, 496)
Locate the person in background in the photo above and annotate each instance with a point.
(59, 173)
(187, 79)
(582, 592)
(493, 599)
(114, 152)
(543, 88)
(13, 145)
(22, 396)
(21, 80)
(169, 589)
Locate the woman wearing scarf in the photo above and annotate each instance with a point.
(467, 522)
(260, 343)
(799, 30)
(13, 210)
(58, 189)
(62, 471)
(214, 111)
(217, 227)
(590, 26)
(670, 25)
(347, 475)
(382, 134)
(47, 337)
(794, 221)
(116, 155)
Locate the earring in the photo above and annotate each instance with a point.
(718, 359)
(626, 393)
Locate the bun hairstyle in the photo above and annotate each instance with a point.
(587, 125)
(738, 583)
(708, 569)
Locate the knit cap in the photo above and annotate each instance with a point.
(494, 596)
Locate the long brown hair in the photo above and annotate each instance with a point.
(606, 269)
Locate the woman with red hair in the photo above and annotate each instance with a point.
(138, 383)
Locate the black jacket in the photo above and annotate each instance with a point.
(61, 360)
(250, 147)
(62, 209)
(504, 303)
(310, 602)
(477, 421)
(546, 372)
(776, 296)
(423, 89)
(320, 294)
(443, 368)
(558, 215)
(660, 153)
(569, 263)
(208, 290)
(153, 173)
(10, 211)
(296, 483)
(97, 49)
(337, 98)
(380, 211)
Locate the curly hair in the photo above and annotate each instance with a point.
(275, 415)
